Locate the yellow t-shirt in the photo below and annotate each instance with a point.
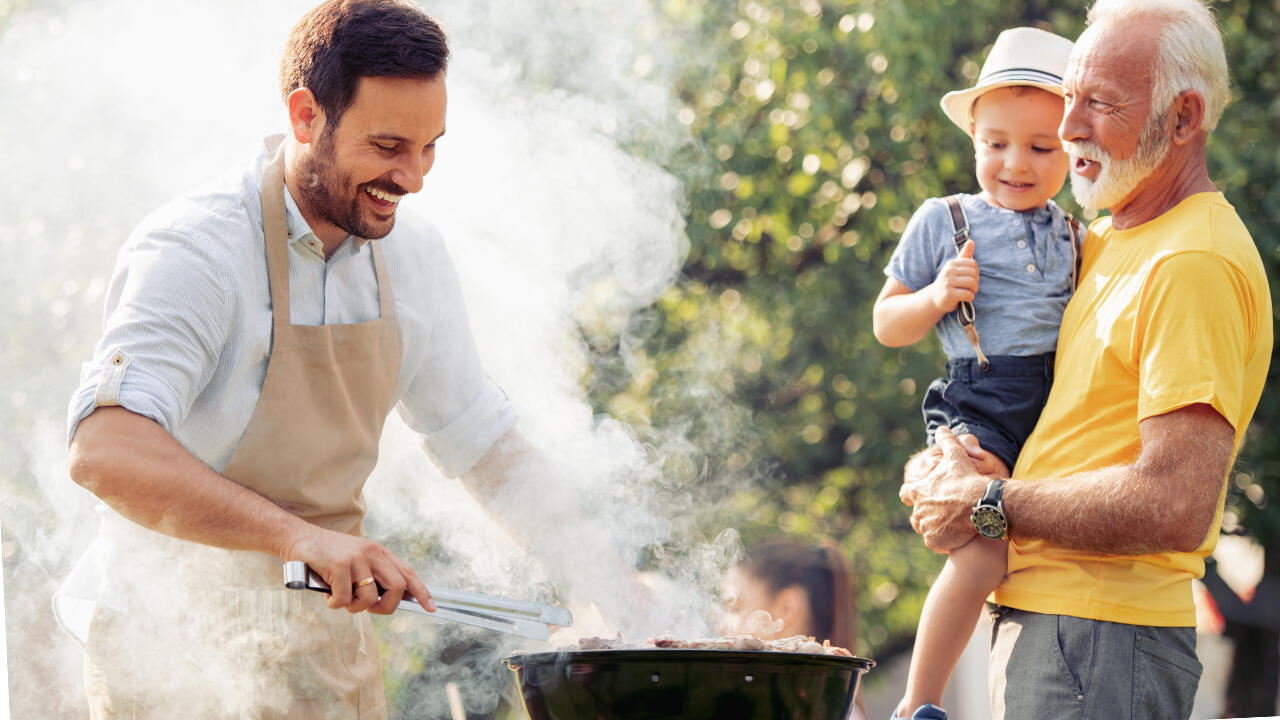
(1170, 313)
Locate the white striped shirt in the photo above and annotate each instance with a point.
(187, 324)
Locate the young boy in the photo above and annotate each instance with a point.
(997, 381)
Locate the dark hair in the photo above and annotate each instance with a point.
(340, 41)
(822, 572)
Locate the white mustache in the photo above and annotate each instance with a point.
(1084, 150)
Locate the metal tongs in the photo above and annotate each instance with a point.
(517, 617)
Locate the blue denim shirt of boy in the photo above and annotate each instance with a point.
(1025, 262)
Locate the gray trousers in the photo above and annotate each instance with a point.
(1055, 667)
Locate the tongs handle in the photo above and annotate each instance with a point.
(516, 617)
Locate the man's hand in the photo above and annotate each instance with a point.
(943, 498)
(138, 468)
(957, 282)
(345, 560)
(918, 467)
(923, 462)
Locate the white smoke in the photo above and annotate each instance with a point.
(109, 108)
(4, 643)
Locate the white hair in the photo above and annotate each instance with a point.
(1190, 54)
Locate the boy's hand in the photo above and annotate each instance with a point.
(983, 460)
(957, 282)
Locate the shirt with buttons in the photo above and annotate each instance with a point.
(187, 324)
(1025, 262)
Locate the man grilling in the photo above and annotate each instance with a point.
(257, 334)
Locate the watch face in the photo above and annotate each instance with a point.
(990, 522)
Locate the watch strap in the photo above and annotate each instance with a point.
(994, 494)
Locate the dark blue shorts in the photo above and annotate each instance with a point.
(999, 405)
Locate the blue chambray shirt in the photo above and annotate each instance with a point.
(1025, 262)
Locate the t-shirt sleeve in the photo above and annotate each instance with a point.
(1193, 333)
(164, 325)
(919, 253)
(457, 410)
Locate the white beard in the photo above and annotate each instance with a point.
(1118, 178)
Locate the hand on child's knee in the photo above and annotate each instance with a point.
(920, 465)
(983, 461)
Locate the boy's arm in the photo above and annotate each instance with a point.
(902, 317)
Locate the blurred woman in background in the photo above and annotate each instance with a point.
(805, 589)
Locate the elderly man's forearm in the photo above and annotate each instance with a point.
(1119, 510)
(1164, 501)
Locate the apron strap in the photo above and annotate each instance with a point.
(277, 236)
(386, 301)
(277, 240)
(964, 311)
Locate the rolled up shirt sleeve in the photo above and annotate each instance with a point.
(458, 446)
(457, 410)
(165, 320)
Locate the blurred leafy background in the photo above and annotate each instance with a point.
(815, 134)
(818, 133)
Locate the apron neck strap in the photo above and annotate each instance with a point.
(277, 235)
(277, 240)
(386, 301)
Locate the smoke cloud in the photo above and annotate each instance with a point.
(113, 107)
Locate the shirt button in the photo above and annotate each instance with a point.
(1022, 244)
(1013, 221)
(1079, 698)
(1031, 268)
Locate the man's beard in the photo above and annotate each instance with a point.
(324, 185)
(1118, 178)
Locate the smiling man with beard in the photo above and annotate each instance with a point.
(1117, 496)
(257, 334)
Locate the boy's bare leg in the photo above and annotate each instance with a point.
(950, 612)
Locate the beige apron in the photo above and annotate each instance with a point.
(233, 642)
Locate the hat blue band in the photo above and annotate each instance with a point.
(1020, 75)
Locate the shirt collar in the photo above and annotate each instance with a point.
(1042, 215)
(300, 233)
(1035, 216)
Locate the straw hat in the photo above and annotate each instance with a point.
(1020, 56)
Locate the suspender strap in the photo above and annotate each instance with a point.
(959, 221)
(1077, 233)
(964, 311)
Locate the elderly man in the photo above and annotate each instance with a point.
(1117, 496)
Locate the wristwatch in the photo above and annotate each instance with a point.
(988, 515)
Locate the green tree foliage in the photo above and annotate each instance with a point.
(1245, 162)
(822, 133)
